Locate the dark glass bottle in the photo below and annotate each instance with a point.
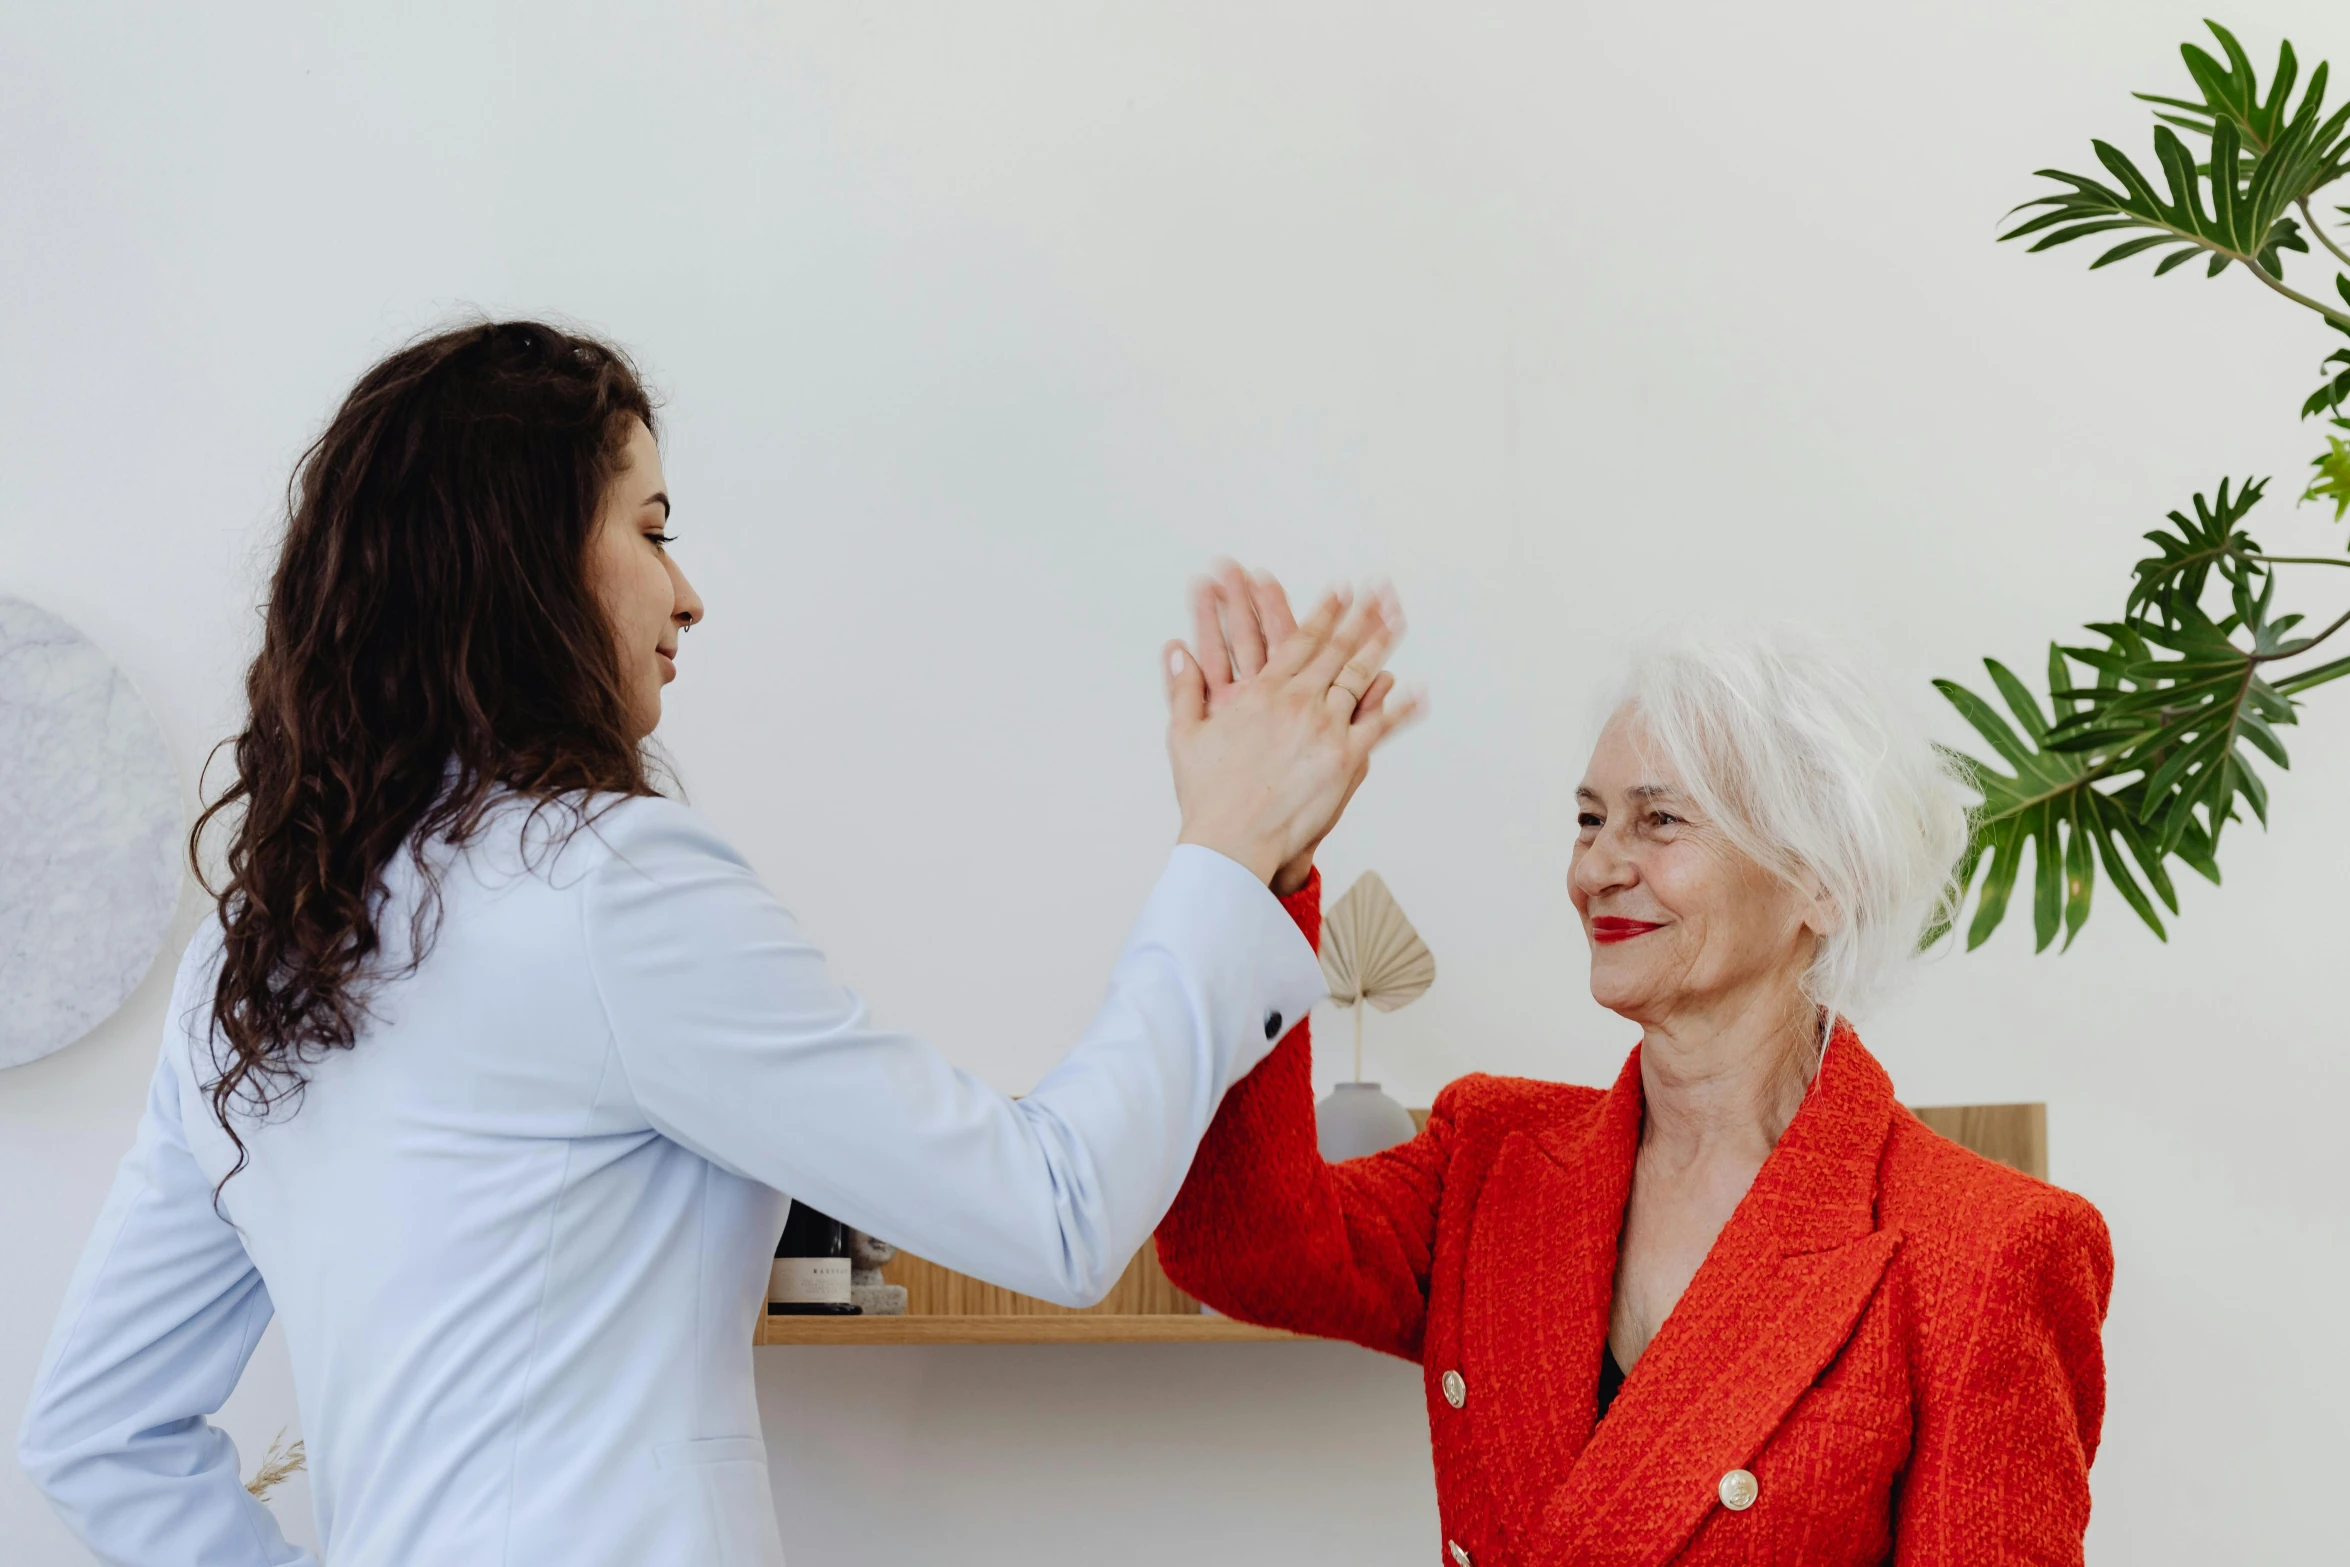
(811, 1272)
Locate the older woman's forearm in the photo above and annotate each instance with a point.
(1266, 1230)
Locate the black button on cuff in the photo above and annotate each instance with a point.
(1272, 1025)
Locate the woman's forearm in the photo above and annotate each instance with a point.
(161, 1316)
(734, 1041)
(1267, 1230)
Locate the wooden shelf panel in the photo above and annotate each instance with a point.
(2014, 1135)
(1143, 1290)
(946, 1307)
(1073, 1328)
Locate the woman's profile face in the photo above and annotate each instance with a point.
(1680, 922)
(645, 596)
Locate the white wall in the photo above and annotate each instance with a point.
(982, 326)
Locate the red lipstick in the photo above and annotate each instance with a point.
(1608, 928)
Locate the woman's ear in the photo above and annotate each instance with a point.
(1823, 916)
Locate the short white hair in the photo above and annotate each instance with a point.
(1817, 776)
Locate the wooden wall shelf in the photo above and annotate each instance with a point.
(946, 1307)
(1145, 1307)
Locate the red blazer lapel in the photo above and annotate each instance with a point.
(1774, 1303)
(1539, 1275)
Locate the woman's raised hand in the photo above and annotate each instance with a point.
(1273, 723)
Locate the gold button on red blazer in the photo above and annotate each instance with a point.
(1891, 1353)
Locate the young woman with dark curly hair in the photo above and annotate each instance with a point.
(491, 1072)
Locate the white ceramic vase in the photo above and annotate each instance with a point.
(1357, 1119)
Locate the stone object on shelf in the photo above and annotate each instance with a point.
(874, 1295)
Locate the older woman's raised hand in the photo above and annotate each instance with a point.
(1263, 766)
(1246, 635)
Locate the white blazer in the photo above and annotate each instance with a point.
(519, 1234)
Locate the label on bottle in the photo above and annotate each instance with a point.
(809, 1281)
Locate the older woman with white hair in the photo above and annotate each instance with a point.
(1741, 1306)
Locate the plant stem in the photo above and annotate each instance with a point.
(2323, 237)
(2254, 267)
(2344, 620)
(2298, 560)
(2261, 272)
(1358, 1039)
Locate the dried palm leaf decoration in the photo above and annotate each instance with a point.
(1371, 953)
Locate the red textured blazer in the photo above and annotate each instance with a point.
(1895, 1338)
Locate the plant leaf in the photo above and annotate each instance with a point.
(2006, 848)
(2333, 476)
(2019, 699)
(2267, 156)
(2149, 760)
(2118, 870)
(2080, 866)
(2191, 548)
(2318, 676)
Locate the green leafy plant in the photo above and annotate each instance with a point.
(2155, 730)
(2333, 474)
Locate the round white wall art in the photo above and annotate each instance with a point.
(90, 825)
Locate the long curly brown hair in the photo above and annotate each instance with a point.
(431, 642)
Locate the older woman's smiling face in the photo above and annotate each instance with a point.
(1681, 922)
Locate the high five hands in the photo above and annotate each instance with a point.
(1272, 722)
